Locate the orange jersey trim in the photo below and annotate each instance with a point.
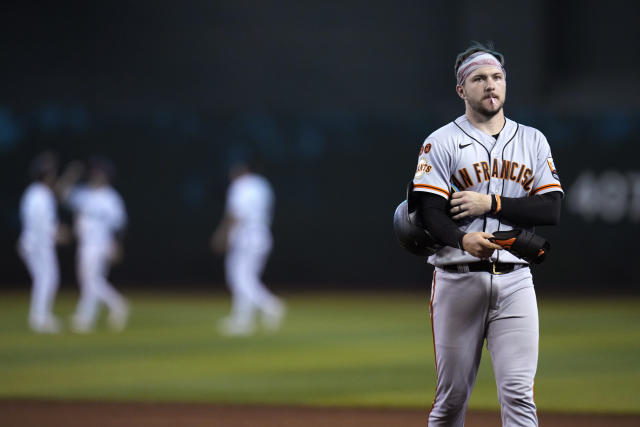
(431, 187)
(498, 203)
(544, 187)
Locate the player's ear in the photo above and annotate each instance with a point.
(460, 91)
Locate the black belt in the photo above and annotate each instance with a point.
(486, 266)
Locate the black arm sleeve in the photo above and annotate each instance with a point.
(530, 211)
(432, 212)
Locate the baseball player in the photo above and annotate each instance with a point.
(480, 174)
(244, 234)
(36, 245)
(99, 216)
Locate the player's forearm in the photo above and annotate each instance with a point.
(432, 213)
(529, 211)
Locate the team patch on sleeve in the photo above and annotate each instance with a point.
(423, 167)
(552, 167)
(425, 149)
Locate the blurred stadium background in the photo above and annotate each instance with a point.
(336, 98)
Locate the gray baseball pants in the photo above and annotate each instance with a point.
(467, 309)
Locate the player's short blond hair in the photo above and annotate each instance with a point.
(477, 47)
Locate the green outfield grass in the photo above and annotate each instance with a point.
(347, 350)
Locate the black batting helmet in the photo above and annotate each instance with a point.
(410, 234)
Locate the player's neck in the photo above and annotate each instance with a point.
(489, 125)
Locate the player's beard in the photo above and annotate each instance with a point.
(479, 108)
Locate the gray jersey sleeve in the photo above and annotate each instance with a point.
(433, 173)
(546, 179)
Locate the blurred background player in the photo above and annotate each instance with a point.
(244, 235)
(36, 246)
(99, 217)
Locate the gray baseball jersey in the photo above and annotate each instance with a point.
(459, 157)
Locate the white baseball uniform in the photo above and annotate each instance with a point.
(468, 307)
(250, 203)
(37, 249)
(100, 213)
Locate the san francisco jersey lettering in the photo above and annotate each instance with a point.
(459, 157)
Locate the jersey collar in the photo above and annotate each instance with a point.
(486, 140)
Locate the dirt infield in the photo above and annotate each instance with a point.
(28, 413)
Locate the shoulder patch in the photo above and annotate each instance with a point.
(425, 149)
(423, 167)
(553, 169)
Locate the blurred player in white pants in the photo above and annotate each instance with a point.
(37, 243)
(99, 215)
(244, 233)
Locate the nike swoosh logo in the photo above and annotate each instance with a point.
(465, 145)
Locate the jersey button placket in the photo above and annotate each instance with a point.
(494, 187)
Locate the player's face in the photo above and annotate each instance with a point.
(484, 91)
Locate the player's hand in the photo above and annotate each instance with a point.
(469, 203)
(478, 245)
